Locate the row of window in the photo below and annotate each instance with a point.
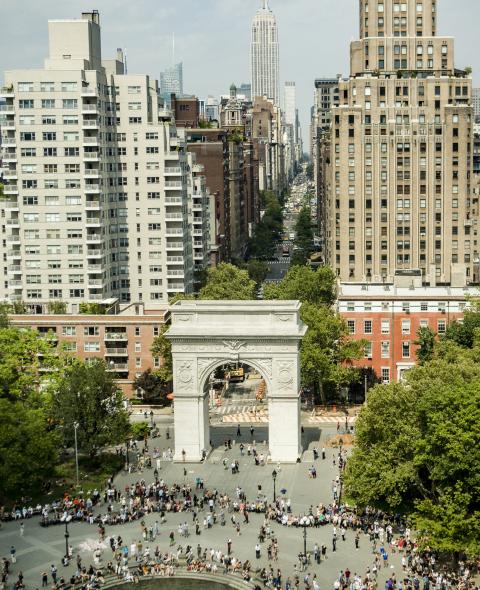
(32, 294)
(385, 326)
(406, 306)
(72, 87)
(385, 350)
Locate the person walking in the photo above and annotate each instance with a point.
(229, 546)
(239, 432)
(22, 529)
(13, 554)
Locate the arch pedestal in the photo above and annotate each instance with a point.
(263, 334)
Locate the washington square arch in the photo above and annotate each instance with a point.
(263, 334)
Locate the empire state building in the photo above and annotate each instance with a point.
(264, 54)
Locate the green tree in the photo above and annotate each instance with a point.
(418, 450)
(28, 449)
(154, 387)
(426, 338)
(327, 352)
(226, 281)
(303, 231)
(257, 270)
(22, 354)
(162, 348)
(269, 230)
(465, 333)
(57, 307)
(310, 171)
(87, 394)
(308, 286)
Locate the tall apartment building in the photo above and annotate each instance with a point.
(264, 54)
(476, 104)
(399, 154)
(96, 203)
(326, 97)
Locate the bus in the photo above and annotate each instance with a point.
(237, 375)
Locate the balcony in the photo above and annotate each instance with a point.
(95, 268)
(87, 91)
(7, 92)
(13, 239)
(92, 172)
(176, 288)
(95, 297)
(93, 187)
(177, 259)
(95, 282)
(90, 141)
(90, 123)
(175, 274)
(89, 108)
(10, 189)
(174, 184)
(115, 336)
(173, 201)
(14, 268)
(8, 124)
(94, 239)
(6, 108)
(91, 157)
(14, 283)
(175, 171)
(13, 222)
(9, 157)
(174, 156)
(10, 204)
(197, 208)
(116, 351)
(197, 232)
(175, 246)
(94, 252)
(93, 221)
(117, 367)
(174, 216)
(93, 204)
(172, 232)
(14, 254)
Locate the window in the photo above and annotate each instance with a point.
(441, 326)
(91, 331)
(385, 375)
(70, 103)
(48, 103)
(405, 327)
(52, 217)
(75, 249)
(367, 327)
(137, 330)
(69, 330)
(91, 346)
(367, 350)
(69, 86)
(69, 346)
(406, 350)
(138, 362)
(156, 331)
(351, 326)
(49, 120)
(385, 349)
(385, 326)
(138, 347)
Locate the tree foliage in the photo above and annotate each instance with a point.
(418, 449)
(269, 230)
(87, 394)
(326, 351)
(303, 232)
(28, 449)
(226, 281)
(155, 388)
(426, 338)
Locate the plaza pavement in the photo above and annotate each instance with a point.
(41, 547)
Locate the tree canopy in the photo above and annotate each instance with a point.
(226, 281)
(154, 386)
(269, 230)
(87, 394)
(417, 450)
(308, 286)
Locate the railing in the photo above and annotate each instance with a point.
(6, 108)
(90, 123)
(174, 258)
(173, 184)
(10, 188)
(95, 282)
(13, 238)
(90, 172)
(89, 107)
(176, 170)
(13, 221)
(117, 367)
(9, 141)
(173, 216)
(173, 200)
(15, 283)
(14, 268)
(122, 351)
(92, 187)
(14, 254)
(8, 124)
(93, 220)
(173, 232)
(94, 252)
(10, 204)
(115, 336)
(175, 245)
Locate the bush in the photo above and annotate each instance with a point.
(140, 430)
(92, 308)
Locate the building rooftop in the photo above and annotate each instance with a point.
(389, 291)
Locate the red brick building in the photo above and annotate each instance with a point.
(389, 316)
(122, 340)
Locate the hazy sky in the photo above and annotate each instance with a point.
(213, 37)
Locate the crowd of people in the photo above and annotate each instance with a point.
(152, 501)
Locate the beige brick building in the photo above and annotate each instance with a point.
(398, 159)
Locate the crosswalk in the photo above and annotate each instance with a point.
(233, 409)
(331, 420)
(252, 417)
(285, 260)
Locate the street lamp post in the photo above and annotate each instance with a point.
(75, 426)
(274, 477)
(304, 522)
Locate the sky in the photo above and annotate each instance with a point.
(212, 38)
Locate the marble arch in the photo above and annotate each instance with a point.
(263, 334)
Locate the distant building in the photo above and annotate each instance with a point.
(245, 90)
(264, 55)
(476, 103)
(171, 82)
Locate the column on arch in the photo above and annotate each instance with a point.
(284, 413)
(191, 418)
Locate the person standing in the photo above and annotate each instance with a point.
(257, 551)
(229, 546)
(239, 432)
(44, 579)
(22, 529)
(13, 554)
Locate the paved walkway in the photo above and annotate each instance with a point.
(38, 548)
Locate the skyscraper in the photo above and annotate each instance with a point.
(264, 55)
(171, 82)
(397, 180)
(290, 105)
